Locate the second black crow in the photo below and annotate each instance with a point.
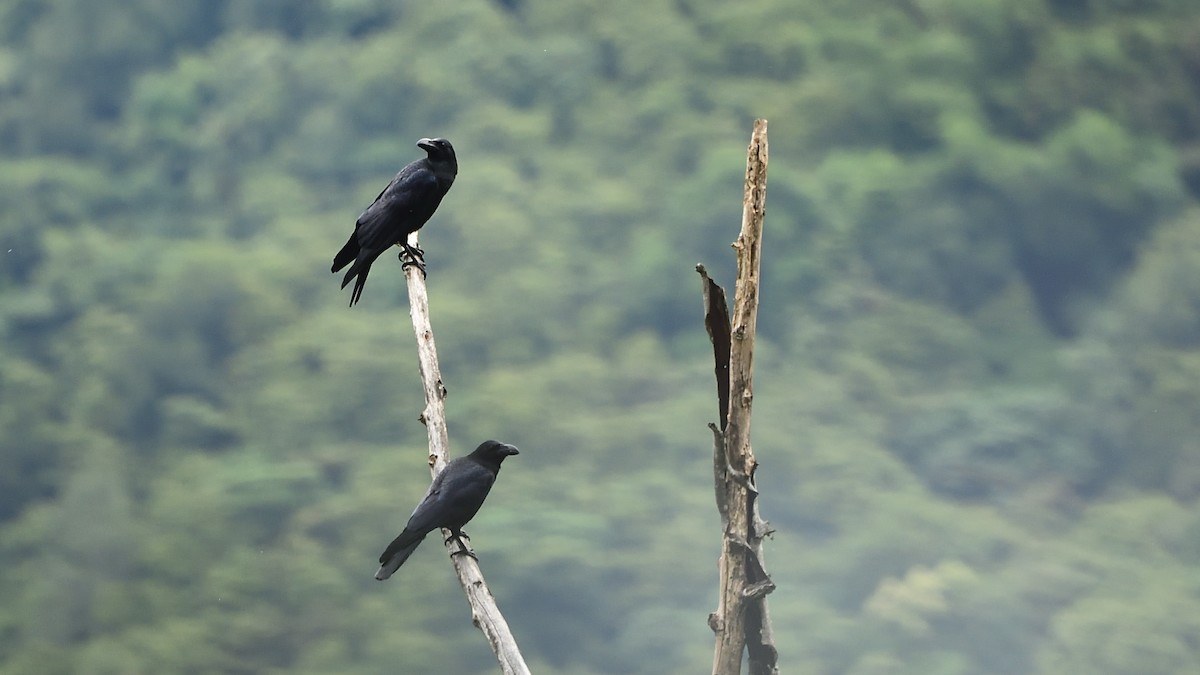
(452, 500)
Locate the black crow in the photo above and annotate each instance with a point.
(452, 500)
(401, 209)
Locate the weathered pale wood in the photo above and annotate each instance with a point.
(485, 613)
(741, 622)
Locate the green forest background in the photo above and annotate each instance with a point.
(978, 373)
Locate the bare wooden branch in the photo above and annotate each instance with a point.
(485, 613)
(741, 622)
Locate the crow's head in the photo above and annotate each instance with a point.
(494, 452)
(439, 149)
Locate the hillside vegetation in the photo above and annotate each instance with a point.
(978, 378)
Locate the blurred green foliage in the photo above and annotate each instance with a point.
(978, 367)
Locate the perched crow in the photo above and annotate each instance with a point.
(452, 500)
(401, 209)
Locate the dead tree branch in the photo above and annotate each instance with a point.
(485, 614)
(741, 622)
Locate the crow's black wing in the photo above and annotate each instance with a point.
(454, 496)
(390, 217)
(377, 226)
(424, 519)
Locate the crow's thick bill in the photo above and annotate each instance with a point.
(401, 209)
(452, 500)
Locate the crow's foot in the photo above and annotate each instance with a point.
(463, 547)
(412, 256)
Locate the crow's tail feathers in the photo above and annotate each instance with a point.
(359, 269)
(397, 552)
